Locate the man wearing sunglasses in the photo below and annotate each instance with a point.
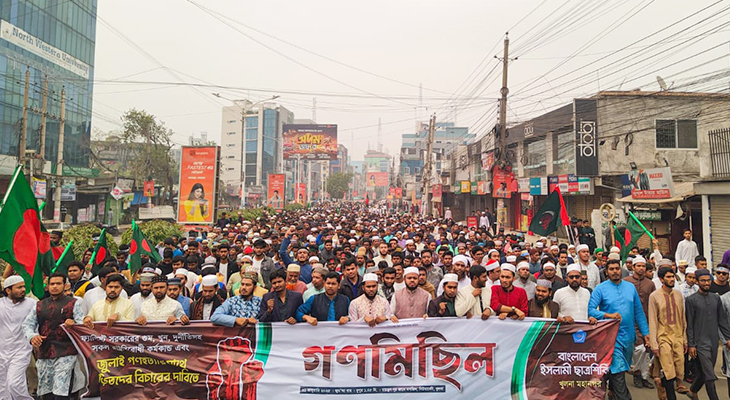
(720, 283)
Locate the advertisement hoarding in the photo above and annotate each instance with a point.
(301, 193)
(656, 183)
(377, 179)
(310, 142)
(504, 183)
(398, 193)
(198, 177)
(275, 194)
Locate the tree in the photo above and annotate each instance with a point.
(338, 184)
(155, 160)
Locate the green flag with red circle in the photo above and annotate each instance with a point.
(101, 253)
(24, 242)
(139, 246)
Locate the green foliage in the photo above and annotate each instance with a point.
(155, 231)
(293, 207)
(338, 184)
(248, 214)
(81, 235)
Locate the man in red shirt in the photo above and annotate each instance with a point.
(507, 299)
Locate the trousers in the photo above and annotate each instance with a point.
(13, 382)
(617, 384)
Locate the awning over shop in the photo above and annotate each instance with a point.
(682, 190)
(139, 199)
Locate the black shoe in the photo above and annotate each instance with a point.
(638, 382)
(647, 384)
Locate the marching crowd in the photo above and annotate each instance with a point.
(362, 264)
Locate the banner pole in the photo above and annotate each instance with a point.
(68, 247)
(641, 225)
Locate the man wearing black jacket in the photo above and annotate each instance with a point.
(351, 285)
(280, 304)
(443, 306)
(327, 306)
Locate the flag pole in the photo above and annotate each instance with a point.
(58, 262)
(641, 225)
(12, 183)
(96, 247)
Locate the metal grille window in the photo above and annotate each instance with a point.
(676, 134)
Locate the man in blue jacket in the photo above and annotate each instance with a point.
(305, 273)
(327, 306)
(618, 299)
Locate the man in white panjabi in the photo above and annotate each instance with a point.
(16, 350)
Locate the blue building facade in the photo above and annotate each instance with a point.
(55, 41)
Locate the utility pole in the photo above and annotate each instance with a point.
(59, 162)
(23, 137)
(428, 167)
(503, 105)
(44, 111)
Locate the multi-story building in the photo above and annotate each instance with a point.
(55, 44)
(414, 150)
(251, 154)
(341, 163)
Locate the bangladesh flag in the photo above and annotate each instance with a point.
(24, 242)
(101, 253)
(140, 245)
(63, 260)
(552, 212)
(626, 238)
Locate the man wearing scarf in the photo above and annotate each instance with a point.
(444, 305)
(204, 307)
(541, 306)
(281, 303)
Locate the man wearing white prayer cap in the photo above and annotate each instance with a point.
(573, 299)
(523, 280)
(460, 268)
(585, 263)
(549, 272)
(508, 300)
(542, 306)
(411, 301)
(369, 307)
(444, 304)
(15, 354)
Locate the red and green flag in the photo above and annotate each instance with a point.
(139, 246)
(550, 214)
(101, 253)
(626, 238)
(64, 259)
(24, 242)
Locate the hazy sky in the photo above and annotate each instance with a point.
(565, 49)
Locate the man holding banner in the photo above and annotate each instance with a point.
(618, 299)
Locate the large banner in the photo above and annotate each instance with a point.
(198, 176)
(301, 193)
(377, 179)
(439, 358)
(276, 191)
(656, 183)
(310, 142)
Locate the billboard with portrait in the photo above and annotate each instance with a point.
(310, 142)
(276, 191)
(198, 177)
(377, 179)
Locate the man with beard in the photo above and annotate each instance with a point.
(293, 283)
(305, 274)
(573, 299)
(370, 307)
(584, 262)
(720, 283)
(387, 288)
(618, 299)
(57, 363)
(444, 305)
(508, 300)
(424, 284)
(281, 303)
(113, 308)
(317, 284)
(79, 285)
(209, 301)
(411, 301)
(145, 290)
(352, 282)
(15, 357)
(705, 320)
(475, 299)
(327, 306)
(549, 273)
(383, 255)
(434, 273)
(98, 293)
(541, 306)
(668, 331)
(174, 291)
(224, 264)
(239, 310)
(461, 266)
(161, 307)
(644, 287)
(523, 279)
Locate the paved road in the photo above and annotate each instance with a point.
(650, 394)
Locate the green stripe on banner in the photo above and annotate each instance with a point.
(517, 387)
(263, 347)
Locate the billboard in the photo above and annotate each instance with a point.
(310, 142)
(398, 193)
(301, 193)
(377, 179)
(586, 135)
(656, 183)
(198, 177)
(504, 183)
(276, 191)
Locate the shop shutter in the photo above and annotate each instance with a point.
(720, 226)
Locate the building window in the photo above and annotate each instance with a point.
(676, 134)
(251, 146)
(535, 158)
(416, 170)
(406, 170)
